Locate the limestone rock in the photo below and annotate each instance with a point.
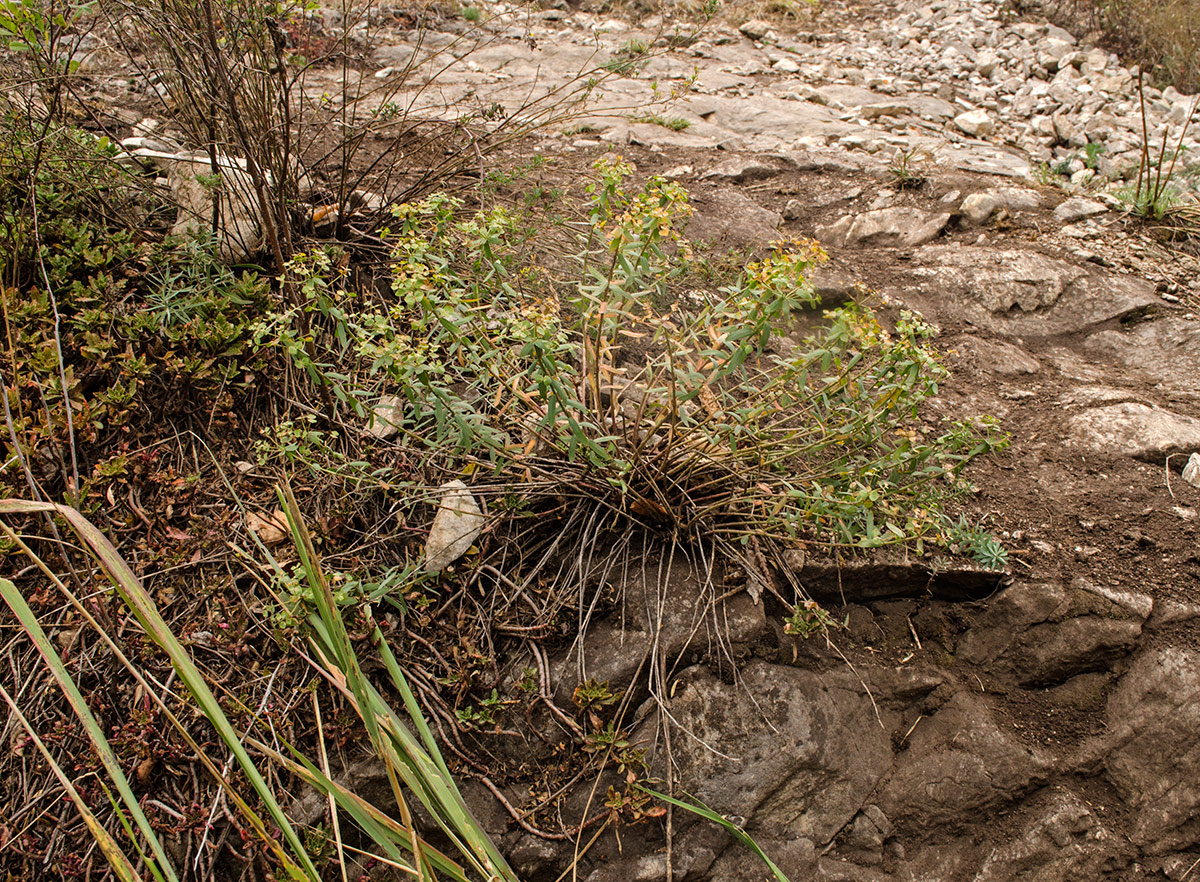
(456, 526)
(885, 228)
(196, 190)
(386, 417)
(977, 208)
(976, 123)
(732, 219)
(1061, 842)
(1078, 208)
(998, 357)
(1154, 714)
(1134, 429)
(1023, 292)
(755, 28)
(796, 856)
(674, 613)
(1040, 633)
(1166, 352)
(738, 171)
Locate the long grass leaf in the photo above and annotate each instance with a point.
(703, 811)
(249, 815)
(423, 771)
(117, 859)
(95, 733)
(298, 864)
(338, 644)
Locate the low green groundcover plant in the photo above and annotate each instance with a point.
(686, 408)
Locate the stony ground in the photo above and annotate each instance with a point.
(1046, 726)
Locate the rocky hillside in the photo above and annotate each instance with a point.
(947, 722)
(974, 166)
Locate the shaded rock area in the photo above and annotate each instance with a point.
(1024, 292)
(909, 762)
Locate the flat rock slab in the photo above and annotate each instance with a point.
(1063, 839)
(885, 228)
(729, 219)
(768, 122)
(998, 357)
(1025, 293)
(1131, 428)
(862, 580)
(1165, 351)
(1041, 633)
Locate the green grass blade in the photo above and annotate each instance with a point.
(129, 587)
(422, 771)
(131, 835)
(703, 811)
(122, 867)
(385, 831)
(449, 795)
(95, 734)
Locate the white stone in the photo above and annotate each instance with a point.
(1191, 471)
(386, 417)
(456, 526)
(755, 29)
(1138, 430)
(195, 189)
(975, 122)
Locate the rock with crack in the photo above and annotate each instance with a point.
(884, 228)
(1041, 633)
(1165, 351)
(1020, 292)
(456, 526)
(958, 763)
(795, 856)
(739, 171)
(730, 219)
(979, 207)
(671, 609)
(1154, 757)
